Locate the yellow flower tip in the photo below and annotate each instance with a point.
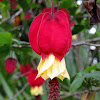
(74, 37)
(51, 67)
(36, 91)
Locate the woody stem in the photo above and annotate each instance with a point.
(52, 7)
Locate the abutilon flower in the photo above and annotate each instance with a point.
(35, 83)
(27, 16)
(10, 65)
(13, 4)
(50, 36)
(25, 70)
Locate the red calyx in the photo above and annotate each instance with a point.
(53, 89)
(51, 34)
(25, 69)
(10, 65)
(34, 82)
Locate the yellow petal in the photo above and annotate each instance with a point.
(36, 91)
(51, 67)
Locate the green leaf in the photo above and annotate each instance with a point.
(24, 4)
(4, 50)
(65, 4)
(96, 66)
(95, 75)
(1, 97)
(91, 68)
(5, 38)
(77, 29)
(77, 82)
(4, 12)
(2, 30)
(6, 87)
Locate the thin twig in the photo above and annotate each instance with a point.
(76, 93)
(22, 75)
(16, 14)
(4, 20)
(64, 86)
(72, 94)
(79, 43)
(87, 42)
(19, 92)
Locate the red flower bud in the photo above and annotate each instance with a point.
(51, 34)
(13, 4)
(10, 65)
(25, 69)
(34, 82)
(27, 16)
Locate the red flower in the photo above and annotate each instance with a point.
(34, 82)
(10, 65)
(51, 34)
(13, 4)
(25, 69)
(1, 0)
(27, 16)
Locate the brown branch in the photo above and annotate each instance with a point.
(20, 91)
(21, 75)
(79, 43)
(66, 94)
(17, 13)
(87, 42)
(72, 94)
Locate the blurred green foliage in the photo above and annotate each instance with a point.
(82, 62)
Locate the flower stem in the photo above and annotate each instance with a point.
(38, 97)
(52, 12)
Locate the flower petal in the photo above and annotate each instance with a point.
(33, 33)
(36, 91)
(51, 67)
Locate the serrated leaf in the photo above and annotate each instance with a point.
(5, 38)
(77, 82)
